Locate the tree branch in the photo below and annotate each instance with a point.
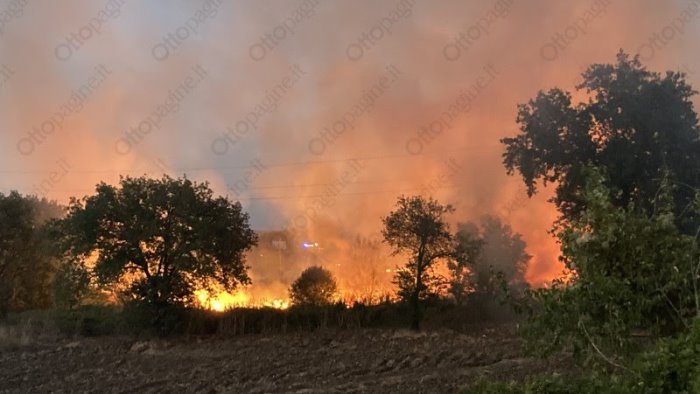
(602, 355)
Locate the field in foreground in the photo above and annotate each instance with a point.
(376, 361)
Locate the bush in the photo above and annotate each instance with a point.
(316, 286)
(89, 321)
(144, 318)
(672, 366)
(631, 274)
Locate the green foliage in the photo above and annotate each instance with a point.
(638, 125)
(631, 273)
(626, 166)
(548, 385)
(164, 238)
(315, 286)
(417, 228)
(672, 366)
(26, 266)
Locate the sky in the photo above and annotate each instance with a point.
(313, 114)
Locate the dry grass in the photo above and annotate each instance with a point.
(16, 336)
(26, 330)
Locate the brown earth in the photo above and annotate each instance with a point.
(363, 361)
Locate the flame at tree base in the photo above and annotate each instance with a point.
(221, 301)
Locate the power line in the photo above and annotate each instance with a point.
(244, 167)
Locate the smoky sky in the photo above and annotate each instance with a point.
(308, 111)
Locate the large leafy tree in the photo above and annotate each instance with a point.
(417, 229)
(165, 237)
(638, 125)
(26, 266)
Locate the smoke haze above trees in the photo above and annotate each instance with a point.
(330, 84)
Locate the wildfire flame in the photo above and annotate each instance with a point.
(277, 304)
(221, 301)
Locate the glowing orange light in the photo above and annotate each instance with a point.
(221, 301)
(277, 304)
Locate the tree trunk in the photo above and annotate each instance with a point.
(415, 303)
(415, 300)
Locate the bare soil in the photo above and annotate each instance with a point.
(363, 361)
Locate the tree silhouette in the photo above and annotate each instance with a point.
(26, 265)
(168, 236)
(484, 256)
(464, 264)
(637, 125)
(417, 228)
(316, 286)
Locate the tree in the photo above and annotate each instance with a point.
(316, 287)
(630, 271)
(417, 228)
(485, 257)
(26, 265)
(637, 125)
(463, 264)
(504, 253)
(71, 285)
(166, 237)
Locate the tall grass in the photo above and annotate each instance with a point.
(29, 328)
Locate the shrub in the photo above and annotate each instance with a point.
(316, 286)
(672, 366)
(631, 274)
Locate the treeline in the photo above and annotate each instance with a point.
(156, 241)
